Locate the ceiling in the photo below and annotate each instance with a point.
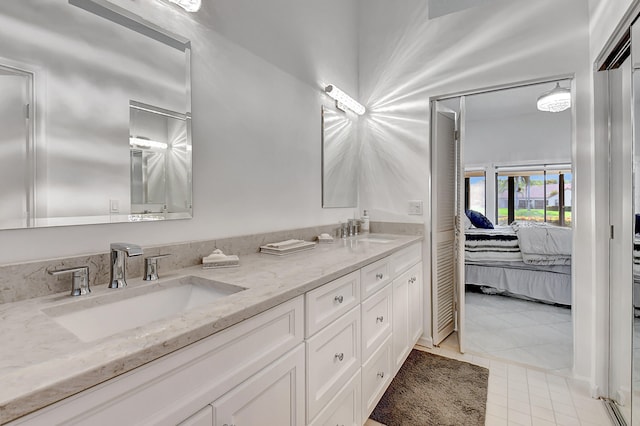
(506, 102)
(439, 8)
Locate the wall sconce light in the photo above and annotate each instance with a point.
(188, 5)
(142, 142)
(343, 100)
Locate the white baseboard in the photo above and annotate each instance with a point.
(427, 342)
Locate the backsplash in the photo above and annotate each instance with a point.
(28, 280)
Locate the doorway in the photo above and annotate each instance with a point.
(515, 172)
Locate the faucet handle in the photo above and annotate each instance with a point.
(79, 279)
(151, 267)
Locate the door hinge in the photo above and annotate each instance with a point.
(27, 111)
(611, 236)
(456, 135)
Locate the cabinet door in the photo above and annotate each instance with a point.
(203, 417)
(400, 322)
(345, 408)
(274, 396)
(415, 304)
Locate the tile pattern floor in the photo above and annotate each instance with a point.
(519, 395)
(531, 333)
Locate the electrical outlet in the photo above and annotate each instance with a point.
(415, 207)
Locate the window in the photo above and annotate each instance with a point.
(474, 190)
(542, 195)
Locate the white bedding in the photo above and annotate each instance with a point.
(544, 244)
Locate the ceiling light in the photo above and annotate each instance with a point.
(344, 100)
(555, 100)
(188, 5)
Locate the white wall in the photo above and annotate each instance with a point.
(520, 139)
(604, 16)
(405, 59)
(258, 69)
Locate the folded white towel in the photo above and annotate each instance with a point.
(284, 244)
(219, 256)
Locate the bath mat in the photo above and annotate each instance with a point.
(433, 390)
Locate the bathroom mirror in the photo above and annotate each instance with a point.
(96, 111)
(339, 159)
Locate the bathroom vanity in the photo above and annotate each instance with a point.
(310, 338)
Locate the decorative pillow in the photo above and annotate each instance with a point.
(478, 219)
(467, 222)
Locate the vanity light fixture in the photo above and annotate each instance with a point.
(142, 142)
(188, 5)
(343, 100)
(556, 100)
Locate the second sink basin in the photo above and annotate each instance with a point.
(108, 314)
(376, 239)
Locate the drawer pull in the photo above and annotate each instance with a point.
(380, 319)
(339, 356)
(379, 276)
(339, 299)
(381, 374)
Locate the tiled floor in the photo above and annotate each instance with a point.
(531, 333)
(529, 396)
(527, 347)
(519, 395)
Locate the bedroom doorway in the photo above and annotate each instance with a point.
(513, 296)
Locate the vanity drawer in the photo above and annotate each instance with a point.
(376, 376)
(345, 409)
(375, 276)
(333, 357)
(405, 258)
(330, 301)
(376, 321)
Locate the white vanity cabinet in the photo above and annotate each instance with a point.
(322, 358)
(203, 417)
(274, 396)
(171, 389)
(333, 351)
(391, 319)
(407, 313)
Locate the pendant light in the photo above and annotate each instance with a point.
(556, 100)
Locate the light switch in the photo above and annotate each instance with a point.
(415, 207)
(114, 206)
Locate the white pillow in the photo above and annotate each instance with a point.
(467, 222)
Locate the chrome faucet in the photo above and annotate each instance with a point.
(79, 279)
(118, 265)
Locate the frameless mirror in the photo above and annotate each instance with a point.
(339, 159)
(95, 115)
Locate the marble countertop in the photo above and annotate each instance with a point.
(41, 362)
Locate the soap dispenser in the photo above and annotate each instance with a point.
(364, 227)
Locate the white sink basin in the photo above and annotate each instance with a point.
(108, 314)
(380, 240)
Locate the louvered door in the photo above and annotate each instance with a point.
(443, 177)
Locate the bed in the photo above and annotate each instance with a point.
(527, 260)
